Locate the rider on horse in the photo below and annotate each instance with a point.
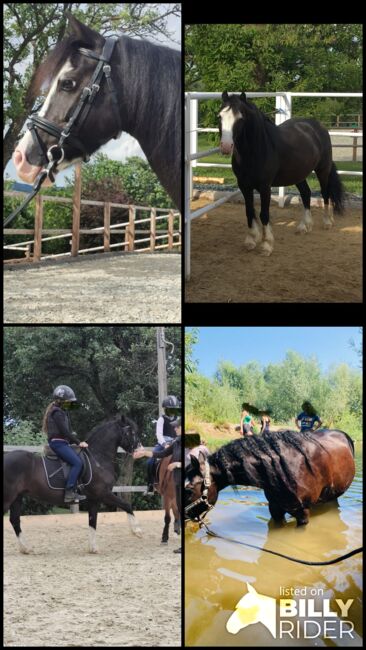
(165, 434)
(57, 425)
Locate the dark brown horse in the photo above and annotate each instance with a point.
(24, 474)
(166, 489)
(295, 470)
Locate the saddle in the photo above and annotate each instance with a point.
(57, 470)
(157, 474)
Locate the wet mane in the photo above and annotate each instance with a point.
(273, 467)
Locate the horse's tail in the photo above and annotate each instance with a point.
(336, 190)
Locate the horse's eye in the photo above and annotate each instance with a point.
(67, 84)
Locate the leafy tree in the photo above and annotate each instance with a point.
(112, 369)
(267, 57)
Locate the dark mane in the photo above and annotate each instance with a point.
(96, 431)
(273, 469)
(256, 135)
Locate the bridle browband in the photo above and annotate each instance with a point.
(55, 154)
(198, 509)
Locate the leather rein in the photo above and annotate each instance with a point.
(55, 154)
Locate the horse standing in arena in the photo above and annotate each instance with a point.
(166, 489)
(25, 474)
(99, 87)
(295, 470)
(265, 155)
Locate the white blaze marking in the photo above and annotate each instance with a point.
(63, 72)
(228, 119)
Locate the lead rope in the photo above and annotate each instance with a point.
(287, 557)
(43, 174)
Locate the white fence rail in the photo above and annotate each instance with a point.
(283, 112)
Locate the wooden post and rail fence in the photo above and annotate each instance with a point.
(132, 237)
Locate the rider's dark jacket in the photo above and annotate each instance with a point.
(59, 425)
(175, 451)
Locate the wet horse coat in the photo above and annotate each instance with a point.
(295, 470)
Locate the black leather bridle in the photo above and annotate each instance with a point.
(198, 509)
(70, 133)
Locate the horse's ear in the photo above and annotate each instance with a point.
(243, 97)
(225, 96)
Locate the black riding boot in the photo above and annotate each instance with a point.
(150, 478)
(73, 497)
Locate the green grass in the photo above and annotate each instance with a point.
(351, 184)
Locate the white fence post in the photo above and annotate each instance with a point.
(283, 113)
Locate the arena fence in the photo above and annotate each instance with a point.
(149, 239)
(283, 112)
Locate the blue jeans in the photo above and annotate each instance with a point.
(151, 461)
(64, 451)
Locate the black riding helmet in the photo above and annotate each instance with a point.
(172, 405)
(65, 396)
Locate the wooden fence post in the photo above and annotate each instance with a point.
(38, 223)
(170, 229)
(130, 230)
(152, 229)
(107, 227)
(76, 205)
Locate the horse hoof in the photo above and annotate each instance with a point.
(93, 551)
(164, 541)
(301, 229)
(327, 226)
(137, 531)
(250, 245)
(266, 249)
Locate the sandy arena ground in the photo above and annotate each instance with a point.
(129, 594)
(133, 288)
(321, 266)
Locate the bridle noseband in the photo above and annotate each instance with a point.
(198, 509)
(55, 154)
(80, 112)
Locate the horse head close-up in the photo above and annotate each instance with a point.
(93, 88)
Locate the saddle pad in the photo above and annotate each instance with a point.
(57, 472)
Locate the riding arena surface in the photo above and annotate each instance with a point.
(60, 595)
(320, 266)
(103, 288)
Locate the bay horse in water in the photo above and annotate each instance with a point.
(139, 92)
(265, 155)
(295, 470)
(166, 489)
(24, 474)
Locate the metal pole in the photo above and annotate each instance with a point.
(162, 380)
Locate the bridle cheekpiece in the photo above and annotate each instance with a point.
(55, 154)
(198, 509)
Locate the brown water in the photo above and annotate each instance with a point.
(217, 571)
